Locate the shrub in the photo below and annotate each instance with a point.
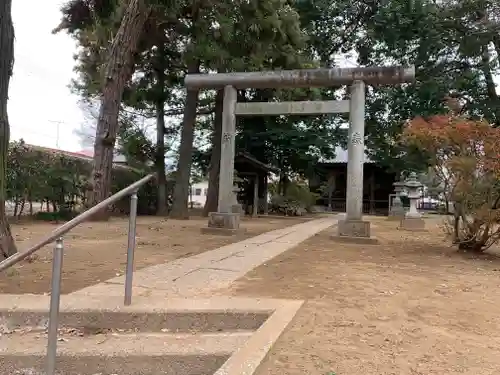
(60, 181)
(297, 201)
(466, 155)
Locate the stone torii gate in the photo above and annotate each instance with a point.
(352, 226)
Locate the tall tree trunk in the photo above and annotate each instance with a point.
(118, 71)
(21, 208)
(180, 208)
(162, 208)
(213, 174)
(7, 245)
(488, 75)
(493, 94)
(491, 86)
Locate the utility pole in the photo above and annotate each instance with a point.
(58, 124)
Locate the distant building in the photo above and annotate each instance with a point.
(118, 159)
(198, 193)
(253, 185)
(377, 184)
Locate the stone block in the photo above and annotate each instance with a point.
(224, 223)
(354, 228)
(354, 231)
(228, 220)
(355, 240)
(415, 224)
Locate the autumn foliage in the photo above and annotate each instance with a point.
(465, 154)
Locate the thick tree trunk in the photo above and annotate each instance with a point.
(283, 184)
(119, 69)
(181, 191)
(162, 208)
(7, 245)
(213, 174)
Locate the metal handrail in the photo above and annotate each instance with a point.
(63, 229)
(57, 261)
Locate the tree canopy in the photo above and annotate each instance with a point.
(453, 44)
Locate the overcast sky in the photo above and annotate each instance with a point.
(40, 101)
(39, 94)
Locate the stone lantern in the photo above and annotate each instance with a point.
(413, 219)
(397, 211)
(235, 206)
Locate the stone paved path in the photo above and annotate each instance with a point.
(196, 276)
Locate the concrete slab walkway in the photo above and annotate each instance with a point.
(196, 276)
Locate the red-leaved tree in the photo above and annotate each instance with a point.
(465, 154)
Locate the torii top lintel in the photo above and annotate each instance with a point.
(302, 78)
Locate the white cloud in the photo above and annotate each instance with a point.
(39, 96)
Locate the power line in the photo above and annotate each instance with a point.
(58, 124)
(45, 135)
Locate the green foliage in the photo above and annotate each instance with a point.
(300, 193)
(296, 202)
(134, 144)
(35, 175)
(38, 175)
(221, 36)
(453, 45)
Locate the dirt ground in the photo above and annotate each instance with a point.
(95, 252)
(411, 305)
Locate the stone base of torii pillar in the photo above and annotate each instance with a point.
(223, 223)
(226, 223)
(354, 231)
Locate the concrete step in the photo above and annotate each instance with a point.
(17, 312)
(155, 336)
(170, 321)
(120, 353)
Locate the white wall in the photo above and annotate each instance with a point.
(199, 193)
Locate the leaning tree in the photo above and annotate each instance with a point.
(117, 71)
(7, 245)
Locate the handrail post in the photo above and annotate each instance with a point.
(131, 248)
(55, 298)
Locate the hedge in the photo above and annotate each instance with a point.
(59, 181)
